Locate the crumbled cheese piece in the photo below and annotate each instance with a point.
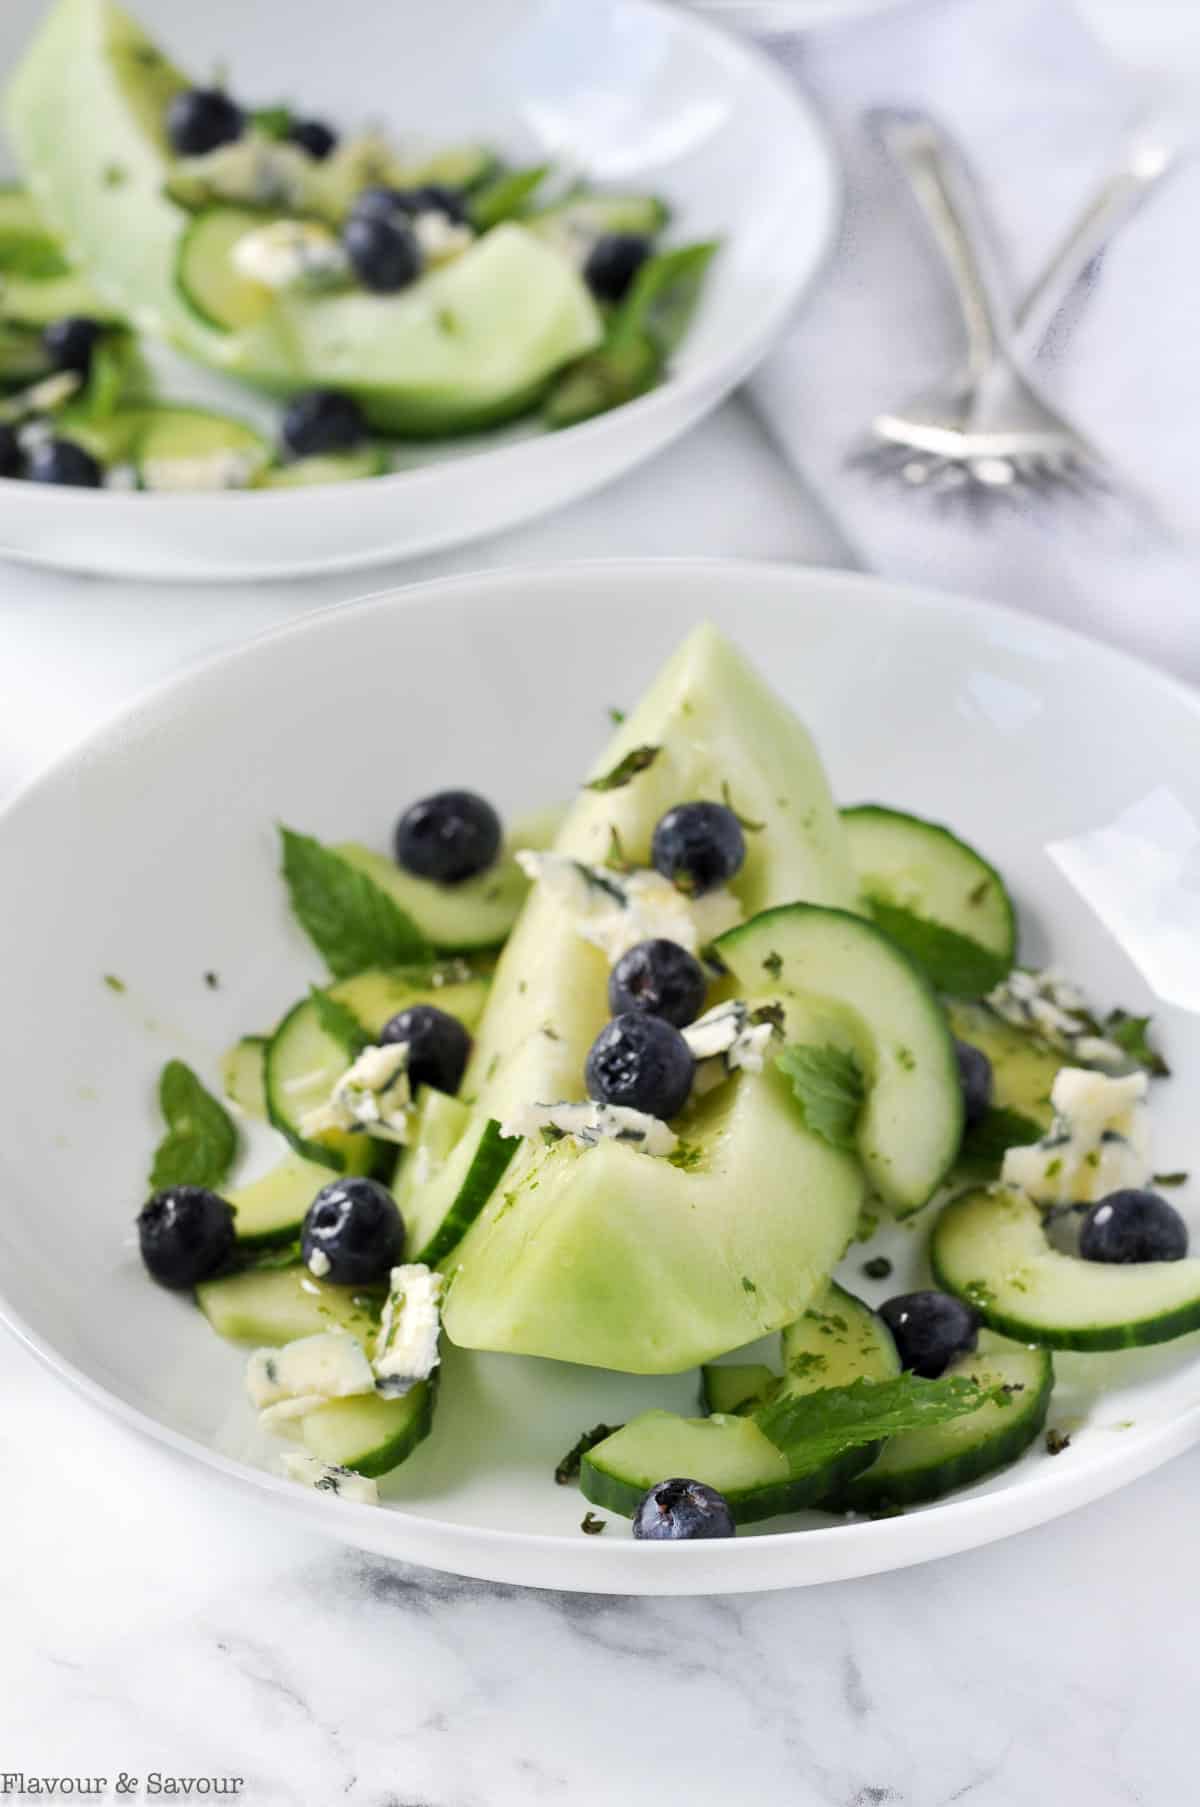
(372, 1095)
(319, 1264)
(441, 239)
(329, 1365)
(727, 1029)
(264, 172)
(281, 1416)
(616, 910)
(49, 393)
(1056, 1010)
(329, 1477)
(121, 477)
(406, 1346)
(227, 469)
(291, 254)
(589, 1123)
(1097, 1143)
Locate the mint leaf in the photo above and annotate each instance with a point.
(1132, 1035)
(505, 196)
(829, 1088)
(568, 1468)
(662, 298)
(952, 962)
(201, 1140)
(339, 1022)
(350, 919)
(273, 122)
(985, 1145)
(635, 761)
(814, 1428)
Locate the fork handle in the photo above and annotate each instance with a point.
(943, 192)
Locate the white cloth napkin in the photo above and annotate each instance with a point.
(1043, 115)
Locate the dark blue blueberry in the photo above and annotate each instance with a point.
(313, 136)
(673, 1510)
(699, 846)
(930, 1329)
(660, 978)
(10, 453)
(975, 1076)
(70, 342)
(438, 1045)
(62, 461)
(448, 837)
(200, 119)
(381, 203)
(186, 1233)
(383, 251)
(320, 421)
(613, 262)
(356, 1225)
(641, 1062)
(1133, 1226)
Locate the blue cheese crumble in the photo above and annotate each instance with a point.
(288, 1382)
(616, 910)
(330, 1477)
(1058, 1012)
(729, 1030)
(373, 1096)
(1097, 1143)
(406, 1345)
(590, 1123)
(291, 254)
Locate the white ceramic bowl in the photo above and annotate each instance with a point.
(150, 853)
(636, 94)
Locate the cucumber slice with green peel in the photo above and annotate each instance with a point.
(192, 449)
(478, 913)
(1023, 1071)
(370, 1434)
(736, 1388)
(576, 223)
(910, 1123)
(208, 280)
(436, 1234)
(838, 1340)
(603, 379)
(990, 1248)
(917, 1466)
(242, 1075)
(271, 1210)
(440, 1121)
(303, 1059)
(276, 1305)
(29, 302)
(936, 897)
(332, 467)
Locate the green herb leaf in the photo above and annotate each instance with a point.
(813, 1428)
(505, 196)
(1132, 1034)
(985, 1145)
(953, 962)
(113, 983)
(662, 298)
(829, 1087)
(591, 1525)
(273, 122)
(616, 716)
(352, 922)
(1171, 1179)
(568, 1468)
(635, 761)
(201, 1141)
(339, 1022)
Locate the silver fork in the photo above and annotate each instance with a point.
(988, 433)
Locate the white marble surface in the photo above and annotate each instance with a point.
(149, 1624)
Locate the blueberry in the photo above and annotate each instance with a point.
(383, 251)
(660, 978)
(975, 1077)
(319, 421)
(699, 846)
(672, 1510)
(10, 453)
(930, 1329)
(448, 837)
(613, 262)
(186, 1233)
(356, 1225)
(641, 1062)
(70, 342)
(313, 136)
(1133, 1226)
(62, 461)
(438, 1045)
(380, 203)
(200, 119)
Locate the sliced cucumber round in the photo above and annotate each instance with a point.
(924, 1465)
(242, 1075)
(370, 1434)
(453, 918)
(911, 1121)
(838, 1340)
(209, 282)
(435, 1237)
(272, 1209)
(938, 898)
(736, 1388)
(334, 467)
(990, 1248)
(181, 448)
(276, 1305)
(1023, 1071)
(439, 1122)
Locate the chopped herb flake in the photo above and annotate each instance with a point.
(213, 981)
(748, 1285)
(635, 761)
(1171, 1179)
(615, 859)
(616, 716)
(1056, 1442)
(773, 964)
(591, 1525)
(568, 1468)
(877, 1268)
(113, 983)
